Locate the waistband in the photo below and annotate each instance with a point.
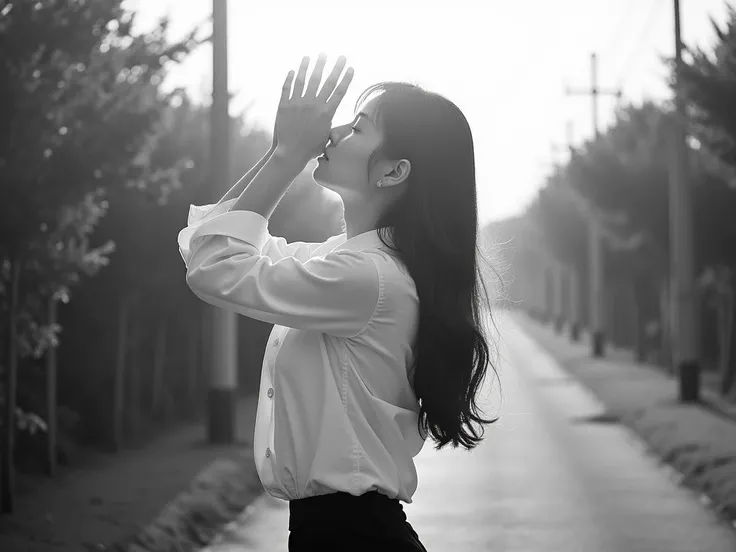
(371, 511)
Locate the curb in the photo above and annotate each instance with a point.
(677, 477)
(216, 497)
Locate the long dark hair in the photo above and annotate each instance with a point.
(433, 229)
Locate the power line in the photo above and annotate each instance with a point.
(654, 10)
(617, 33)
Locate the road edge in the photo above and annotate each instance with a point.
(638, 436)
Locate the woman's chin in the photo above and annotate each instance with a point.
(320, 175)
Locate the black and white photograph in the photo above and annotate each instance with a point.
(381, 276)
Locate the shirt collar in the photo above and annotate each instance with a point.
(366, 240)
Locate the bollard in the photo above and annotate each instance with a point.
(559, 324)
(598, 344)
(689, 382)
(575, 332)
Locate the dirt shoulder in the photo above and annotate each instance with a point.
(696, 440)
(175, 490)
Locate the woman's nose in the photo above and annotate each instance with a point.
(333, 137)
(336, 134)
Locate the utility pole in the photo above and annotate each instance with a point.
(537, 287)
(558, 294)
(595, 91)
(574, 281)
(596, 286)
(534, 271)
(573, 284)
(554, 280)
(595, 245)
(222, 398)
(681, 246)
(541, 285)
(571, 277)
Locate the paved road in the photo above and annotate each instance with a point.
(546, 479)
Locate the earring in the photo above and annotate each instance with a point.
(379, 183)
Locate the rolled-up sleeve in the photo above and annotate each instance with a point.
(274, 247)
(336, 293)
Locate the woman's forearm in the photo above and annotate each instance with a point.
(270, 184)
(246, 179)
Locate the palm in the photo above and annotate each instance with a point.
(304, 116)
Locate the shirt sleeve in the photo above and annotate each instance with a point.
(336, 293)
(275, 247)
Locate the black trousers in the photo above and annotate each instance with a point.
(344, 522)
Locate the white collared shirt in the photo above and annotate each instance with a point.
(336, 410)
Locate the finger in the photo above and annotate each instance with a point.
(286, 88)
(339, 92)
(316, 77)
(331, 81)
(300, 76)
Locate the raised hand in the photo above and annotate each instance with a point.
(304, 117)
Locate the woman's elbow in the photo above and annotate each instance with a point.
(203, 270)
(195, 279)
(202, 287)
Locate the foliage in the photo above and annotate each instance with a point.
(80, 110)
(79, 106)
(709, 86)
(627, 170)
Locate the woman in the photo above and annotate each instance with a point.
(378, 336)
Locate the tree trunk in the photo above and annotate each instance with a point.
(119, 380)
(134, 403)
(204, 352)
(640, 344)
(610, 314)
(666, 323)
(193, 364)
(728, 371)
(11, 383)
(159, 368)
(51, 419)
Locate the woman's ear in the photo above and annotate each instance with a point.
(398, 174)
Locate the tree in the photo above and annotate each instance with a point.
(79, 104)
(625, 170)
(560, 219)
(709, 86)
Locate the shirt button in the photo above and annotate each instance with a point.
(276, 342)
(270, 392)
(268, 453)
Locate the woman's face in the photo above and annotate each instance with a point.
(344, 168)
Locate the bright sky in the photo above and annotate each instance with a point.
(505, 64)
